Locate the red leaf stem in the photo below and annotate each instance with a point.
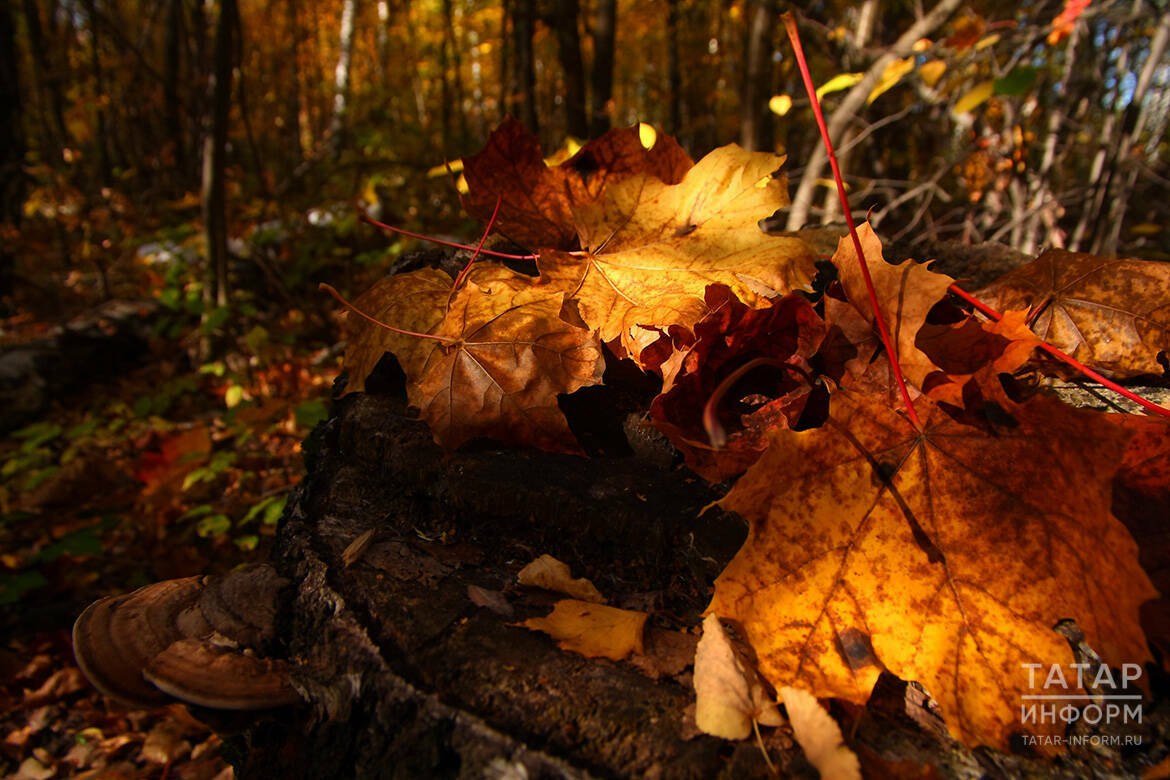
(1070, 360)
(371, 221)
(479, 248)
(333, 291)
(798, 51)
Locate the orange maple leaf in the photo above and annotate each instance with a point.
(906, 294)
(536, 200)
(654, 247)
(486, 360)
(934, 554)
(1112, 315)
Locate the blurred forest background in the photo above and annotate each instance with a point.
(176, 176)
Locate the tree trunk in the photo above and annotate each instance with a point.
(563, 18)
(292, 101)
(673, 71)
(48, 86)
(215, 291)
(105, 167)
(12, 148)
(172, 101)
(341, 77)
(755, 118)
(854, 100)
(523, 29)
(604, 30)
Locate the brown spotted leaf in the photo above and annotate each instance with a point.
(654, 247)
(1112, 315)
(944, 556)
(536, 200)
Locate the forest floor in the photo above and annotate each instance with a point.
(176, 465)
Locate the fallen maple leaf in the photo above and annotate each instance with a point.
(536, 200)
(654, 247)
(728, 338)
(485, 360)
(415, 301)
(549, 573)
(593, 630)
(906, 293)
(819, 736)
(976, 352)
(937, 554)
(1112, 315)
(728, 692)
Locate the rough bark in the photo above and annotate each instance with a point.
(604, 30)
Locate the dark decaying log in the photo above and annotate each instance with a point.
(406, 677)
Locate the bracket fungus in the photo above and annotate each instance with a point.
(194, 639)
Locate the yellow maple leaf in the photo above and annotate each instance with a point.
(934, 555)
(654, 247)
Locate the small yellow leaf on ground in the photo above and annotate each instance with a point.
(819, 736)
(728, 693)
(549, 573)
(593, 630)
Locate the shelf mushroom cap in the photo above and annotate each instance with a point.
(190, 639)
(115, 637)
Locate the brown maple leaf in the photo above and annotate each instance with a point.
(906, 294)
(654, 247)
(974, 352)
(536, 200)
(945, 556)
(486, 360)
(726, 340)
(1112, 315)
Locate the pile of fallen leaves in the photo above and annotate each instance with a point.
(56, 725)
(941, 543)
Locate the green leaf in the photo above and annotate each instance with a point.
(1018, 82)
(213, 525)
(309, 413)
(84, 541)
(14, 586)
(248, 542)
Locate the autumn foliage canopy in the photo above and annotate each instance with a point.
(943, 552)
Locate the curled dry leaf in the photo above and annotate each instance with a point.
(536, 200)
(593, 630)
(1112, 315)
(975, 352)
(549, 573)
(729, 694)
(906, 293)
(819, 736)
(654, 247)
(732, 335)
(934, 554)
